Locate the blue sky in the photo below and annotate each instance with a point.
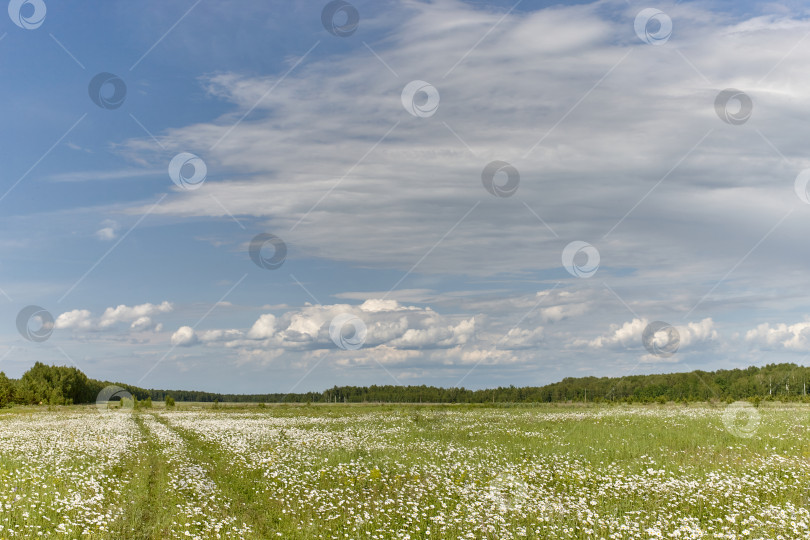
(380, 200)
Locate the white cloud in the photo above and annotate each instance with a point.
(626, 335)
(697, 332)
(794, 337)
(220, 335)
(629, 334)
(263, 328)
(375, 305)
(608, 146)
(588, 171)
(123, 313)
(418, 336)
(78, 319)
(184, 337)
(478, 356)
(522, 338)
(562, 311)
(390, 326)
(400, 295)
(106, 233)
(142, 323)
(382, 354)
(109, 230)
(139, 317)
(433, 335)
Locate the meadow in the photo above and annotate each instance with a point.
(386, 471)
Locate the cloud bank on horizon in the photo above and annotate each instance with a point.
(405, 192)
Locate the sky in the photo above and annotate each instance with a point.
(285, 196)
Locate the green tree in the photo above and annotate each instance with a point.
(54, 384)
(56, 397)
(6, 390)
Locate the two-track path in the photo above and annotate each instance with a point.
(173, 493)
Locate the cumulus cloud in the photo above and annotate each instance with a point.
(123, 313)
(390, 326)
(139, 317)
(793, 337)
(374, 305)
(142, 323)
(698, 332)
(522, 338)
(626, 335)
(185, 336)
(413, 336)
(629, 334)
(79, 319)
(433, 334)
(263, 328)
(220, 335)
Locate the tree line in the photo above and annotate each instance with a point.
(60, 385)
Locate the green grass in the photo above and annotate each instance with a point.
(150, 500)
(389, 471)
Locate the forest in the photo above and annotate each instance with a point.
(61, 385)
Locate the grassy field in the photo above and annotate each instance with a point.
(381, 471)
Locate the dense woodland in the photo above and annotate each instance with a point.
(59, 385)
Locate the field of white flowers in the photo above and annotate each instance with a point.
(338, 472)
